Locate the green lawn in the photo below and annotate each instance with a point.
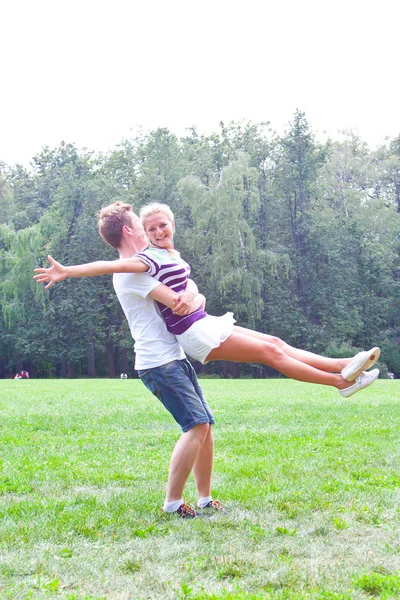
(312, 482)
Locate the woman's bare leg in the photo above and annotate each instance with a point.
(332, 365)
(240, 347)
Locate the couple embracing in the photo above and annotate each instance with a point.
(167, 318)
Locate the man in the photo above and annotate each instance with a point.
(160, 361)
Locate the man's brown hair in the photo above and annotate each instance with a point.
(112, 218)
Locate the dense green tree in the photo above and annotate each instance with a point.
(159, 167)
(297, 239)
(6, 197)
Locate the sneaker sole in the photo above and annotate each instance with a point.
(372, 357)
(373, 376)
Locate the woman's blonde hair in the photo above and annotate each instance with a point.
(153, 208)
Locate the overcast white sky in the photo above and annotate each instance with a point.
(89, 72)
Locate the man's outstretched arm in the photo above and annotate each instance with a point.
(182, 304)
(58, 272)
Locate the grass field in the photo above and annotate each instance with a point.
(312, 482)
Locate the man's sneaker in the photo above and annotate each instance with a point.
(215, 505)
(186, 512)
(362, 381)
(361, 362)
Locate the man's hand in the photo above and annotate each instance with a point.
(57, 272)
(183, 304)
(201, 300)
(197, 301)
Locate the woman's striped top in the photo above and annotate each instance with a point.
(174, 272)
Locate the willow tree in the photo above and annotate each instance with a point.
(225, 260)
(21, 298)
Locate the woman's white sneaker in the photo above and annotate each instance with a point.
(362, 381)
(360, 363)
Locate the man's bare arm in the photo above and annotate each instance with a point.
(58, 272)
(184, 301)
(165, 295)
(182, 304)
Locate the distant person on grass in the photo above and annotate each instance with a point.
(202, 336)
(161, 362)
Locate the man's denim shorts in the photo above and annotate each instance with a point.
(176, 385)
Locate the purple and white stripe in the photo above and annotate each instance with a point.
(174, 275)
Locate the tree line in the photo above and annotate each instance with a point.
(298, 238)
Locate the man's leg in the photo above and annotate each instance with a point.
(203, 466)
(185, 457)
(175, 385)
(202, 470)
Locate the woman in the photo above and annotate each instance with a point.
(204, 337)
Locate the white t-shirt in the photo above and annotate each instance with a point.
(154, 345)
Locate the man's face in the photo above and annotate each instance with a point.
(138, 235)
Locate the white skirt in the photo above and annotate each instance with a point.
(205, 335)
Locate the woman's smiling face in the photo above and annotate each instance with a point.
(160, 230)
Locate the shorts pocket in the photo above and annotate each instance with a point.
(143, 373)
(150, 382)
